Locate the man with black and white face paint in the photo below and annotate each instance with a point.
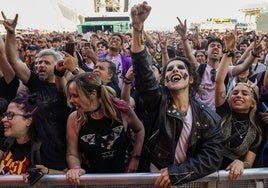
(182, 137)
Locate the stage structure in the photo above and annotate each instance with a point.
(257, 14)
(107, 15)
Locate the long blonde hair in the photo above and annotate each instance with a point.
(253, 112)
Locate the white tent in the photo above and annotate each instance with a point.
(42, 15)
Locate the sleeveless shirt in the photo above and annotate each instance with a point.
(103, 145)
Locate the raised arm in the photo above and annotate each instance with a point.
(149, 39)
(163, 45)
(5, 67)
(257, 47)
(181, 28)
(20, 68)
(126, 87)
(139, 14)
(220, 88)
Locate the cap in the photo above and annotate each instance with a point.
(33, 47)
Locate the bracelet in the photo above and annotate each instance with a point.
(229, 52)
(127, 83)
(246, 165)
(125, 78)
(136, 29)
(58, 73)
(76, 71)
(254, 54)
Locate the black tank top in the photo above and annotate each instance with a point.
(103, 144)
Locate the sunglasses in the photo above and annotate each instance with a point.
(213, 75)
(10, 115)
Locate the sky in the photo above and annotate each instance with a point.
(34, 13)
(165, 14)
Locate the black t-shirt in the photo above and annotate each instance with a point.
(9, 91)
(16, 158)
(52, 125)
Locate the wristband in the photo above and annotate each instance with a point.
(254, 54)
(127, 79)
(127, 83)
(229, 52)
(58, 73)
(75, 71)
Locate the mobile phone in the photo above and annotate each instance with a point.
(70, 48)
(34, 175)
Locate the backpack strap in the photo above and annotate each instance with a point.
(201, 69)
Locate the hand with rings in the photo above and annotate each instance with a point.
(73, 175)
(236, 169)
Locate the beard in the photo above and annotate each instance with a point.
(42, 78)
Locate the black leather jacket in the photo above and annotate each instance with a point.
(163, 125)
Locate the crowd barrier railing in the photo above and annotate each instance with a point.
(254, 177)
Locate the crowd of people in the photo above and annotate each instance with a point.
(181, 103)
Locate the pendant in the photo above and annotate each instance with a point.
(241, 137)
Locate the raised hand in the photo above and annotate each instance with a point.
(258, 45)
(230, 39)
(10, 24)
(181, 28)
(69, 62)
(139, 14)
(163, 42)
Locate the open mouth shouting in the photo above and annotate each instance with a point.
(176, 77)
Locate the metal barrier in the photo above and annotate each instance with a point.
(252, 178)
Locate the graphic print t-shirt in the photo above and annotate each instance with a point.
(16, 159)
(103, 146)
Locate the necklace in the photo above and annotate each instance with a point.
(239, 133)
(94, 111)
(243, 127)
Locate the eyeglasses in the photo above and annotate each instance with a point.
(213, 75)
(10, 115)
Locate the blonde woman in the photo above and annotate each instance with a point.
(97, 136)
